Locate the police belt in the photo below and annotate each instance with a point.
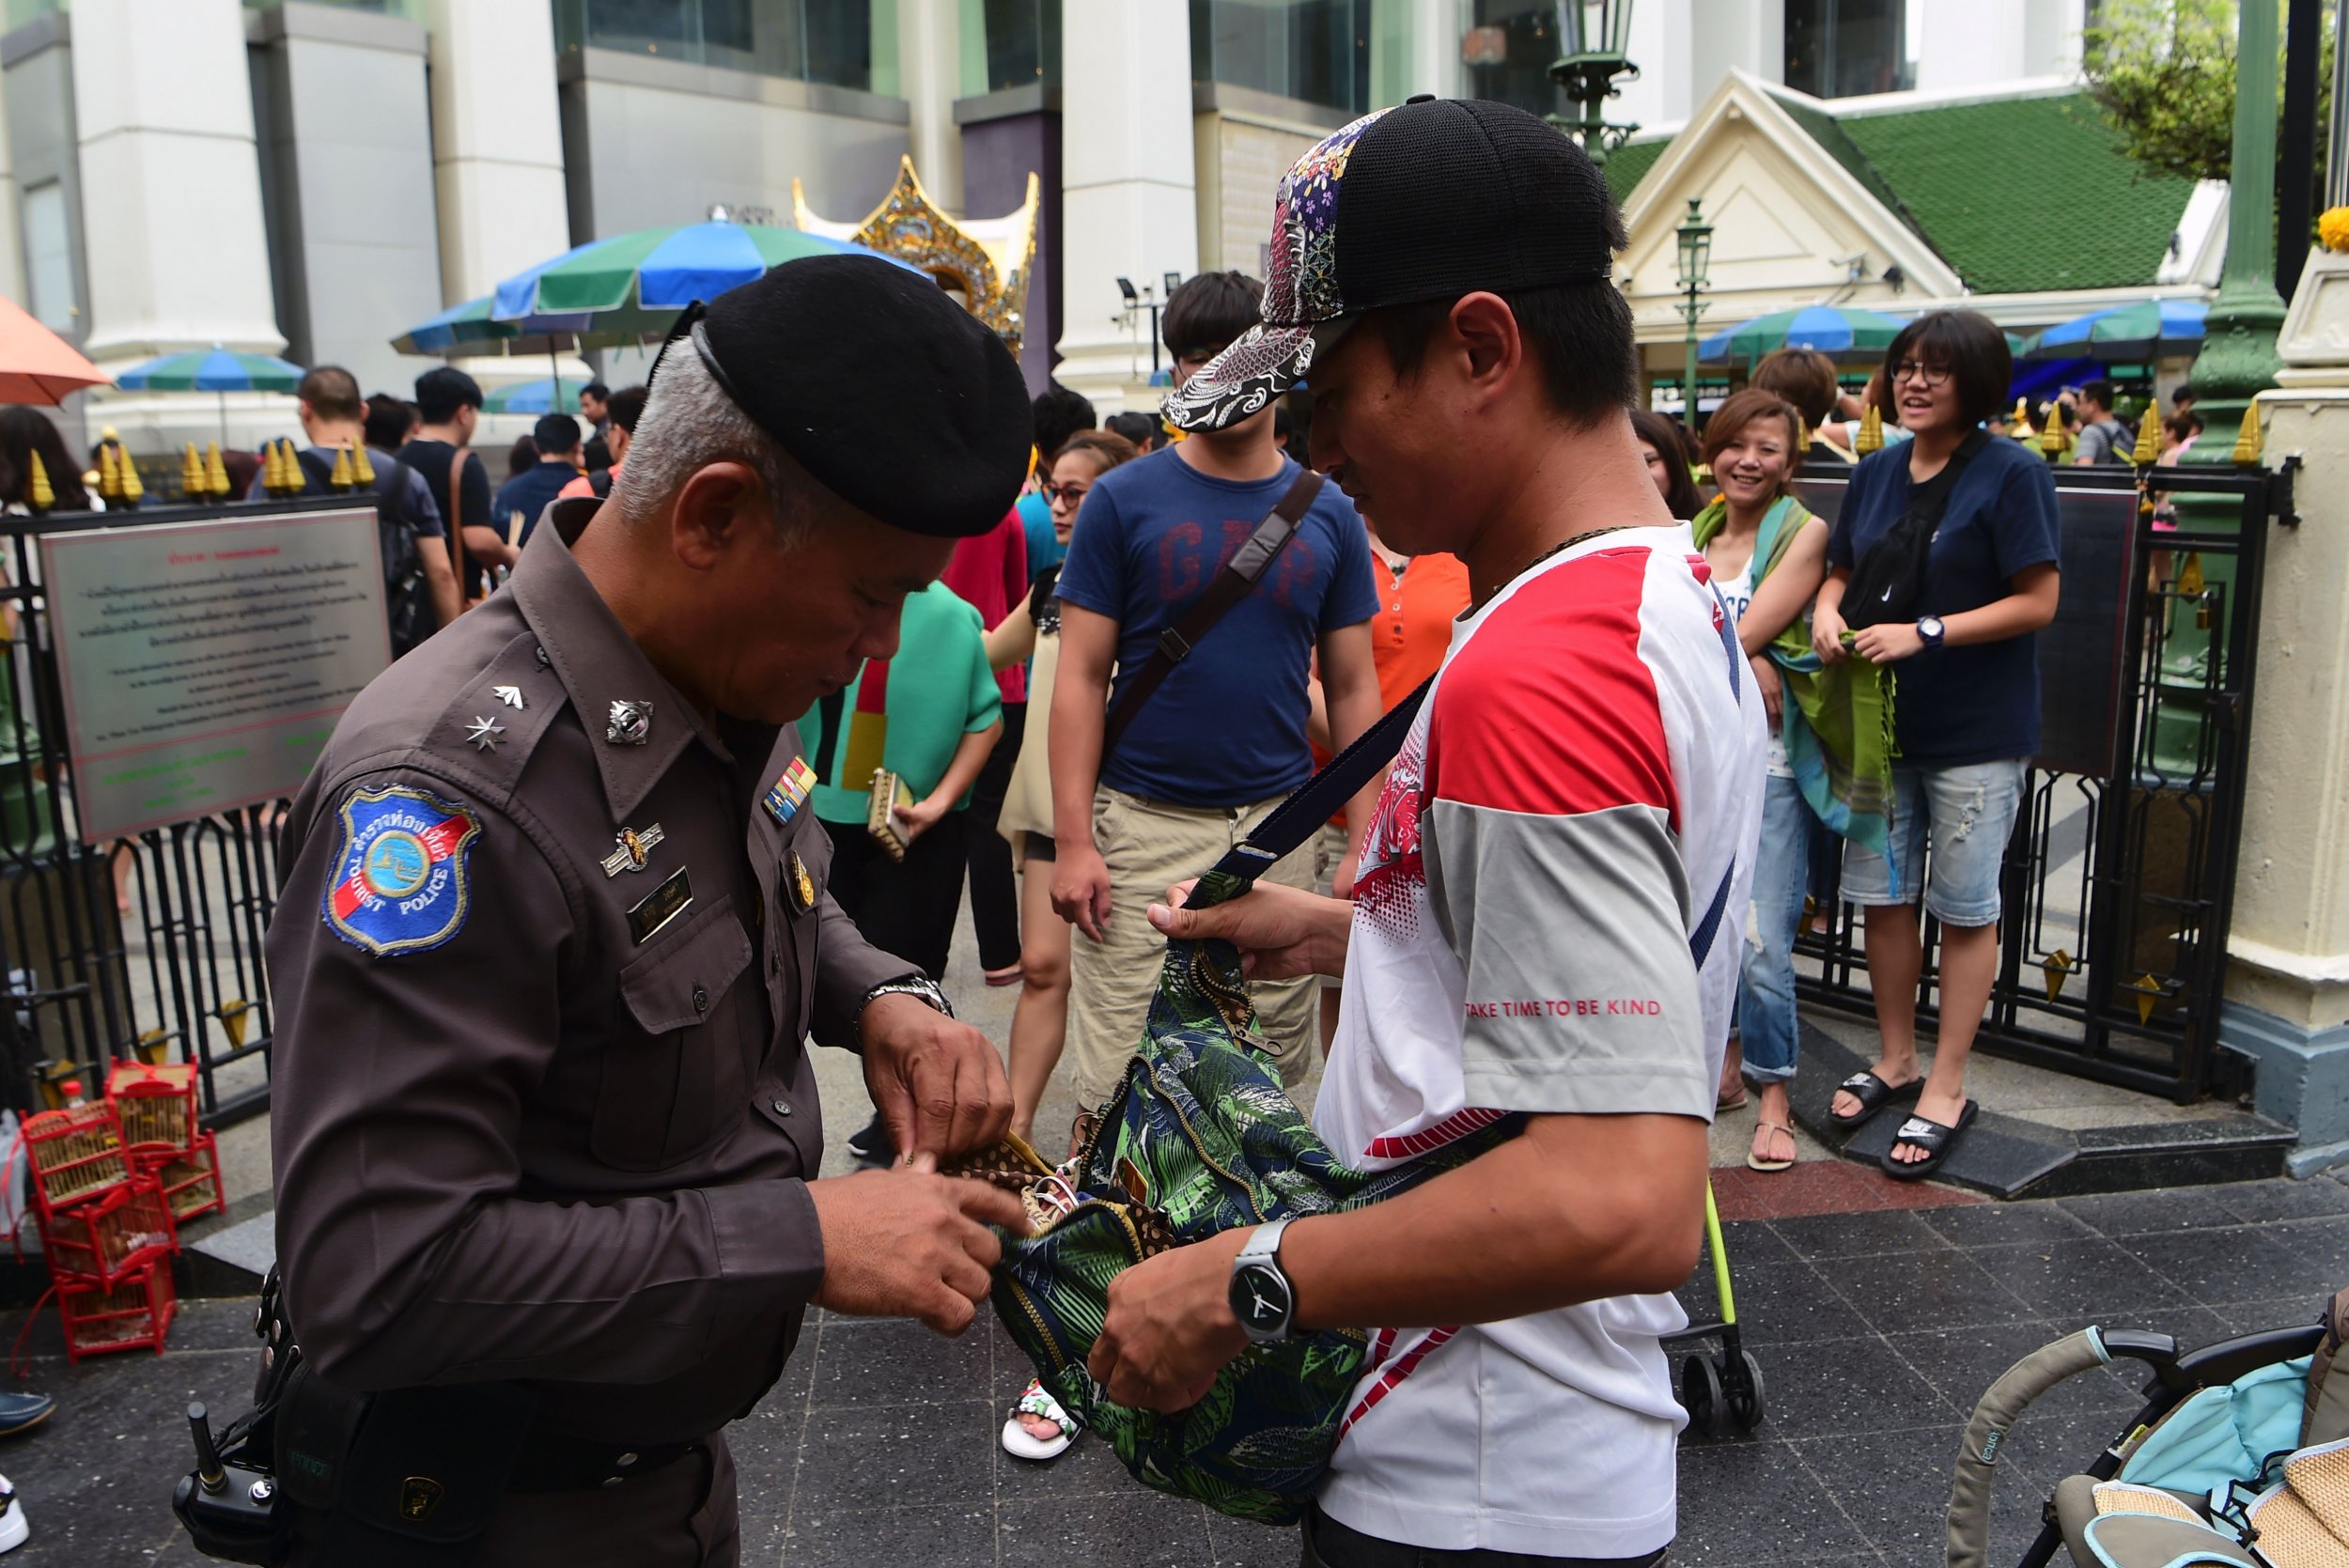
(558, 1462)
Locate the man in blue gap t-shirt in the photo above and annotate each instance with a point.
(1223, 739)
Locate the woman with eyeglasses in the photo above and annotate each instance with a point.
(1963, 696)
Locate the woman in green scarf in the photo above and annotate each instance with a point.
(1768, 556)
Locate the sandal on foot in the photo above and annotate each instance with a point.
(1754, 1161)
(1728, 1101)
(1932, 1137)
(1022, 1444)
(1874, 1095)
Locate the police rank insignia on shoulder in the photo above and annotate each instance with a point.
(400, 881)
(789, 792)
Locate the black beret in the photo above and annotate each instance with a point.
(894, 397)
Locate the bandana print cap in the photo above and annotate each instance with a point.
(1302, 310)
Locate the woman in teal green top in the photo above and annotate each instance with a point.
(929, 714)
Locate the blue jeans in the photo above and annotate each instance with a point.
(1964, 814)
(1766, 976)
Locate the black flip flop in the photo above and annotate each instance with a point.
(1874, 1095)
(1935, 1138)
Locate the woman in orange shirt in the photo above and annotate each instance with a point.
(1419, 599)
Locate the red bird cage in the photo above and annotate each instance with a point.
(132, 1315)
(74, 1154)
(107, 1240)
(155, 1104)
(190, 1177)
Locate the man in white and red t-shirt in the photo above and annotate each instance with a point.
(1548, 908)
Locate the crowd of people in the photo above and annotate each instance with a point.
(1671, 716)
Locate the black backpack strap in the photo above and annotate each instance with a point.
(1247, 565)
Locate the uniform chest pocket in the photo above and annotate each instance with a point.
(672, 1067)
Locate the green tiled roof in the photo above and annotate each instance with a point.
(2026, 194)
(2016, 195)
(1629, 163)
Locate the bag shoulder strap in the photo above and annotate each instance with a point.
(1248, 564)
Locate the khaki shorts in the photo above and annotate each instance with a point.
(1150, 848)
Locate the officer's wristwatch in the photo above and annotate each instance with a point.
(920, 987)
(1260, 1295)
(1929, 627)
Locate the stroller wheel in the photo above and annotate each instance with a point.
(1701, 1394)
(1744, 1393)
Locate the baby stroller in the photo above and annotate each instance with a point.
(1723, 1393)
(2240, 1457)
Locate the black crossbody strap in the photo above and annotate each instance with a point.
(1247, 565)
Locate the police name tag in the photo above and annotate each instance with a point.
(660, 907)
(400, 880)
(790, 791)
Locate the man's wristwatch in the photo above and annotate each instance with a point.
(921, 988)
(1260, 1295)
(1929, 627)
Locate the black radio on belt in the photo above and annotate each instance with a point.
(409, 1477)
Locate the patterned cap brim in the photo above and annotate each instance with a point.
(1260, 365)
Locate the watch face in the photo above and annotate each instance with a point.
(1260, 1299)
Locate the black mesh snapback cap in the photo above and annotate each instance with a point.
(1430, 200)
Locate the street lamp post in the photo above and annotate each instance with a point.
(1593, 57)
(1696, 251)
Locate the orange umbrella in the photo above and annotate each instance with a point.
(36, 365)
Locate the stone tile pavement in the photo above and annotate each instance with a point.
(1875, 1330)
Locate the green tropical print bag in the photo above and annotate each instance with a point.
(1199, 1138)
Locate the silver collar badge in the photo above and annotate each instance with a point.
(631, 723)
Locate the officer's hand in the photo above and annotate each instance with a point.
(909, 1243)
(938, 1084)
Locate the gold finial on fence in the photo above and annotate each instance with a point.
(2247, 440)
(1871, 437)
(37, 493)
(192, 474)
(362, 471)
(339, 479)
(215, 472)
(134, 490)
(2051, 438)
(109, 475)
(2148, 438)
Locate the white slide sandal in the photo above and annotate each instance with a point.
(1022, 1444)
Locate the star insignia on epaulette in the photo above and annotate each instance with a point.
(484, 732)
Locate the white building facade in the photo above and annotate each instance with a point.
(310, 179)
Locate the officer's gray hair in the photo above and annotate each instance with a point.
(690, 423)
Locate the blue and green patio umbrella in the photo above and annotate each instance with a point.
(215, 370)
(468, 328)
(547, 395)
(633, 285)
(2146, 329)
(1839, 332)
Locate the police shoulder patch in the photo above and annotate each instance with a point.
(400, 883)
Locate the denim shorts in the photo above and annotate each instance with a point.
(1965, 814)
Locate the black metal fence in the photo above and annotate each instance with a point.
(144, 947)
(2120, 875)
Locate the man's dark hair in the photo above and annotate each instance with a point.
(1981, 364)
(1805, 378)
(388, 421)
(554, 435)
(333, 393)
(597, 390)
(1059, 414)
(625, 407)
(1209, 311)
(1135, 426)
(442, 390)
(2101, 391)
(1579, 335)
(2183, 393)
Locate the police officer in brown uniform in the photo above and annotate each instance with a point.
(554, 928)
